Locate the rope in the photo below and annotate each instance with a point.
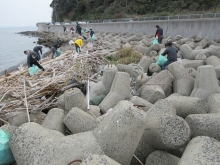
(77, 160)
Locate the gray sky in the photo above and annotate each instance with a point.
(14, 13)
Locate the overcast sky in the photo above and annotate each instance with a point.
(17, 13)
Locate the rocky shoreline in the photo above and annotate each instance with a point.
(131, 113)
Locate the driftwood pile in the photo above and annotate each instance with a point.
(42, 88)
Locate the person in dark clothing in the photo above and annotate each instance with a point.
(64, 29)
(78, 29)
(159, 34)
(91, 33)
(171, 52)
(54, 49)
(37, 49)
(32, 59)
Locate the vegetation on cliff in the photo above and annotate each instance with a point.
(71, 10)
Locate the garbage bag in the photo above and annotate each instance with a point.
(93, 37)
(161, 60)
(82, 31)
(32, 70)
(58, 53)
(155, 41)
(6, 156)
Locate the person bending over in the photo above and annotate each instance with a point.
(37, 49)
(54, 49)
(78, 44)
(32, 59)
(171, 52)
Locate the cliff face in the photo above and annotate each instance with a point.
(106, 9)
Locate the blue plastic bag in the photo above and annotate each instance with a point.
(6, 156)
(32, 70)
(161, 60)
(155, 41)
(58, 53)
(93, 37)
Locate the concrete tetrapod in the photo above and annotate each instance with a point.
(43, 146)
(213, 103)
(140, 80)
(124, 125)
(186, 51)
(120, 90)
(205, 83)
(183, 82)
(75, 98)
(132, 70)
(145, 63)
(201, 150)
(214, 61)
(153, 93)
(144, 104)
(104, 86)
(117, 136)
(192, 63)
(161, 131)
(188, 105)
(161, 158)
(54, 120)
(78, 121)
(204, 125)
(95, 159)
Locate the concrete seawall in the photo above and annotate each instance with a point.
(207, 28)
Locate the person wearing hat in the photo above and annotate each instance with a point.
(171, 53)
(159, 34)
(32, 59)
(78, 44)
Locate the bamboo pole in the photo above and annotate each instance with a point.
(25, 99)
(4, 121)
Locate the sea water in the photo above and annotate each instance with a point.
(12, 46)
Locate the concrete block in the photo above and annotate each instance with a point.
(60, 102)
(104, 86)
(215, 50)
(213, 103)
(145, 63)
(205, 83)
(54, 120)
(154, 68)
(94, 110)
(43, 146)
(186, 51)
(192, 63)
(161, 158)
(204, 125)
(132, 70)
(140, 80)
(74, 98)
(183, 82)
(120, 132)
(153, 53)
(95, 159)
(9, 128)
(215, 62)
(78, 121)
(120, 90)
(201, 150)
(194, 105)
(200, 57)
(139, 101)
(18, 118)
(191, 71)
(151, 92)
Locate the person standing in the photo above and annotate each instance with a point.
(37, 49)
(159, 34)
(64, 29)
(32, 59)
(54, 49)
(78, 28)
(78, 44)
(171, 53)
(72, 30)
